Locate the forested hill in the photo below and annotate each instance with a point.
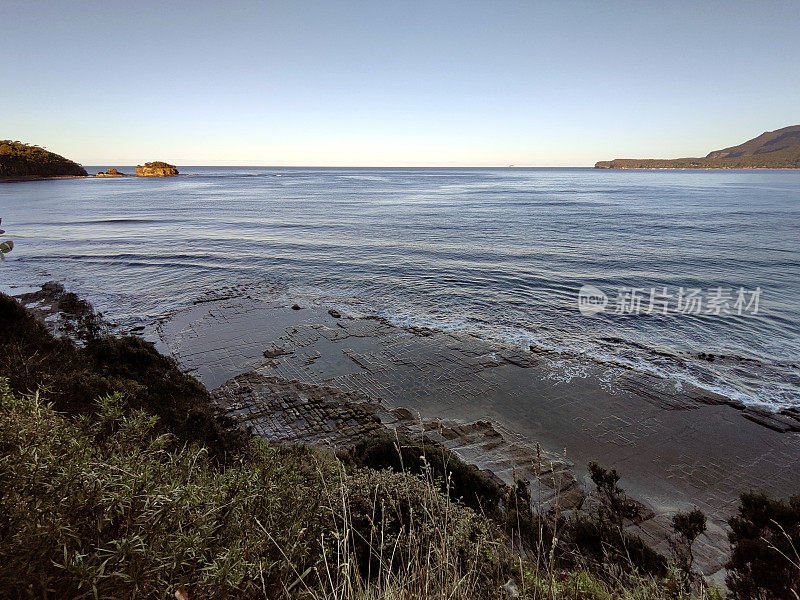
(778, 149)
(23, 161)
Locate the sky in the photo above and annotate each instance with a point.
(395, 83)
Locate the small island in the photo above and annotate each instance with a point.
(20, 161)
(156, 169)
(110, 173)
(779, 149)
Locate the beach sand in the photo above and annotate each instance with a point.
(309, 375)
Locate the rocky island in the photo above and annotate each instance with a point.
(779, 149)
(110, 173)
(156, 169)
(20, 161)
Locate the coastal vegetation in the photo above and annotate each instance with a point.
(119, 479)
(779, 149)
(25, 161)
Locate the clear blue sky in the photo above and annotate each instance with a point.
(395, 82)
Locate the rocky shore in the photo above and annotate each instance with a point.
(292, 373)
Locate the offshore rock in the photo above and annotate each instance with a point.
(110, 173)
(156, 169)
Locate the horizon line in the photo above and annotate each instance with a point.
(255, 166)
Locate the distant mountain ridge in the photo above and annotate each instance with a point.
(24, 161)
(779, 149)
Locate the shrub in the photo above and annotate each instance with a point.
(603, 542)
(104, 508)
(688, 526)
(76, 376)
(464, 482)
(509, 507)
(615, 504)
(765, 541)
(108, 508)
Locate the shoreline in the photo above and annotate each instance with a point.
(312, 375)
(302, 375)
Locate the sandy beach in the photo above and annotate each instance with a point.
(313, 375)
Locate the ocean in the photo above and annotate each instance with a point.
(697, 273)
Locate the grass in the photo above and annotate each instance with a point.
(108, 508)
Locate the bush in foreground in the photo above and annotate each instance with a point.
(108, 508)
(765, 548)
(75, 376)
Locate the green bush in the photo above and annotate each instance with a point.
(25, 161)
(765, 542)
(106, 507)
(465, 482)
(76, 376)
(604, 542)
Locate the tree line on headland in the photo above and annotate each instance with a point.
(779, 149)
(24, 161)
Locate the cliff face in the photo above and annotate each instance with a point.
(23, 161)
(779, 149)
(156, 169)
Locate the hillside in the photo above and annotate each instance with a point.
(779, 149)
(23, 161)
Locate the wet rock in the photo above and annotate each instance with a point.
(335, 313)
(289, 411)
(295, 307)
(275, 352)
(402, 414)
(781, 422)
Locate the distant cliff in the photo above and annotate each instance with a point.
(778, 149)
(156, 169)
(23, 161)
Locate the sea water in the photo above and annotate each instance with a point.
(500, 253)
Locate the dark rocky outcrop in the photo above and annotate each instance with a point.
(20, 161)
(156, 169)
(779, 149)
(110, 173)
